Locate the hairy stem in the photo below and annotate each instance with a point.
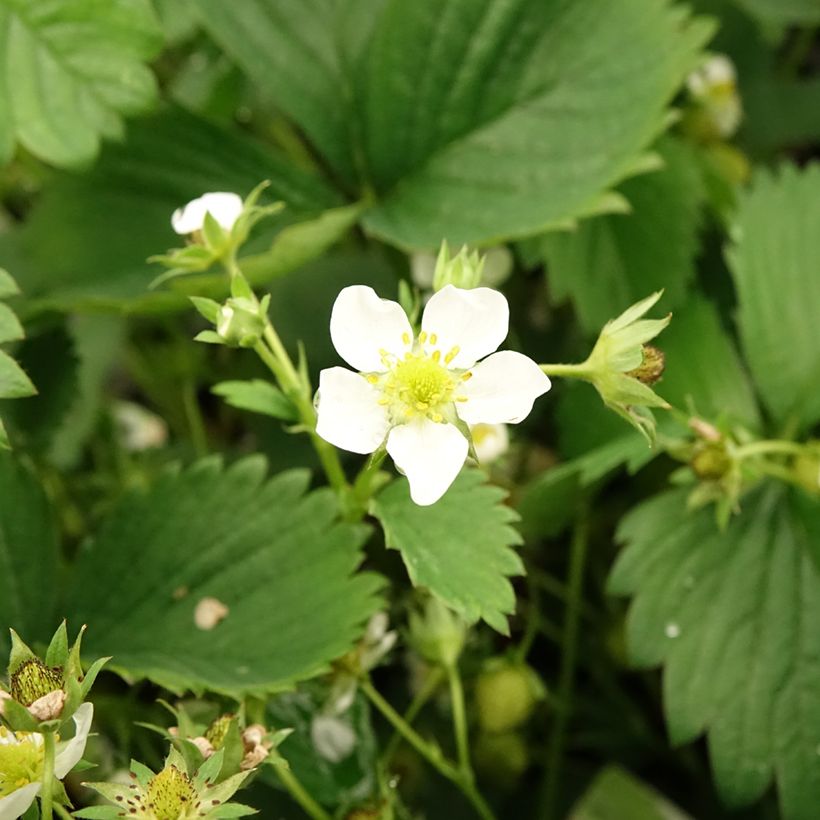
(48, 776)
(459, 720)
(298, 792)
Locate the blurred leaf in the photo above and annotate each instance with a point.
(773, 258)
(549, 502)
(500, 119)
(77, 67)
(258, 396)
(783, 12)
(14, 383)
(29, 556)
(332, 784)
(459, 548)
(612, 261)
(703, 368)
(10, 328)
(274, 555)
(616, 795)
(734, 618)
(87, 240)
(303, 54)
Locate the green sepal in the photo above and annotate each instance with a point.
(233, 810)
(215, 236)
(57, 652)
(19, 718)
(210, 337)
(98, 812)
(74, 666)
(208, 308)
(142, 772)
(20, 653)
(91, 675)
(240, 289)
(234, 751)
(10, 328)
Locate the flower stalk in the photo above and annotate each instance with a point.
(48, 776)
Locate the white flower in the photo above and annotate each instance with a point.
(490, 441)
(714, 87)
(21, 762)
(417, 395)
(224, 207)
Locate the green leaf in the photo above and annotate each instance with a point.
(87, 241)
(703, 369)
(616, 794)
(8, 287)
(10, 328)
(331, 783)
(783, 12)
(258, 396)
(459, 548)
(77, 68)
(14, 383)
(28, 556)
(773, 259)
(497, 119)
(303, 54)
(612, 261)
(733, 616)
(274, 555)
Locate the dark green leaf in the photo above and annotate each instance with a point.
(460, 547)
(274, 555)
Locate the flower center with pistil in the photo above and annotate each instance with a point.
(21, 759)
(419, 384)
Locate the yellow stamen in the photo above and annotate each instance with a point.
(405, 337)
(423, 336)
(467, 375)
(436, 355)
(452, 354)
(433, 339)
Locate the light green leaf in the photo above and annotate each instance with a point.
(703, 369)
(273, 554)
(14, 383)
(77, 68)
(87, 241)
(10, 328)
(28, 556)
(773, 258)
(8, 287)
(303, 54)
(497, 119)
(616, 795)
(258, 396)
(611, 261)
(733, 616)
(459, 548)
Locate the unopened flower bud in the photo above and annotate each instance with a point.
(506, 695)
(33, 680)
(716, 109)
(437, 633)
(462, 270)
(651, 368)
(240, 322)
(710, 461)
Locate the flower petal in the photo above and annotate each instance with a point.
(69, 753)
(223, 206)
(362, 324)
(475, 321)
(15, 804)
(502, 389)
(430, 455)
(349, 413)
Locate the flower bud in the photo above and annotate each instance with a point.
(506, 694)
(437, 633)
(240, 322)
(715, 109)
(710, 460)
(463, 270)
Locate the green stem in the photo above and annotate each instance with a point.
(568, 371)
(432, 754)
(48, 775)
(62, 811)
(758, 448)
(566, 681)
(434, 678)
(193, 417)
(459, 721)
(299, 794)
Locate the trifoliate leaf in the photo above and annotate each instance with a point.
(28, 556)
(258, 396)
(734, 618)
(612, 261)
(77, 69)
(262, 566)
(459, 548)
(773, 258)
(496, 119)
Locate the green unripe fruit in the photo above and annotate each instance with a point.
(506, 695)
(502, 758)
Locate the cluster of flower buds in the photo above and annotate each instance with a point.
(44, 703)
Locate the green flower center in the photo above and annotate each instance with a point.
(420, 384)
(33, 679)
(21, 759)
(170, 794)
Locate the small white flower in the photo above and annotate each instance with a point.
(332, 737)
(21, 762)
(713, 85)
(223, 206)
(490, 441)
(415, 395)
